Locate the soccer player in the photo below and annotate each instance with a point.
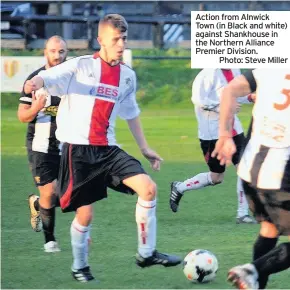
(264, 169)
(39, 111)
(95, 89)
(206, 91)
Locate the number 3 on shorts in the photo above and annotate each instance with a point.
(285, 92)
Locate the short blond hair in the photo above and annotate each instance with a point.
(115, 20)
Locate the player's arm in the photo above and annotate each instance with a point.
(129, 111)
(27, 112)
(240, 86)
(29, 106)
(137, 132)
(55, 79)
(201, 90)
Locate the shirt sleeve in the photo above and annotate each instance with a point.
(129, 108)
(201, 92)
(26, 99)
(249, 75)
(57, 79)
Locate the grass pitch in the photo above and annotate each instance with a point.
(206, 218)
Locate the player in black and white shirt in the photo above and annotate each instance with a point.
(264, 169)
(39, 110)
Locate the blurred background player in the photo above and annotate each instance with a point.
(91, 161)
(264, 169)
(206, 91)
(39, 110)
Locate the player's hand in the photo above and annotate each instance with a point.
(153, 157)
(30, 86)
(39, 102)
(224, 150)
(252, 97)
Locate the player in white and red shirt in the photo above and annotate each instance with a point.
(206, 93)
(96, 89)
(264, 169)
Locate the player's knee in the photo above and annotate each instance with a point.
(149, 191)
(217, 178)
(84, 215)
(268, 230)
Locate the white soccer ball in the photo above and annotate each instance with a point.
(200, 266)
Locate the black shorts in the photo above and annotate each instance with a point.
(207, 147)
(269, 205)
(86, 171)
(44, 167)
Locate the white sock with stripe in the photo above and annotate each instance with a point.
(80, 236)
(146, 226)
(243, 206)
(198, 181)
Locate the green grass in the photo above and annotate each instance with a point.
(206, 218)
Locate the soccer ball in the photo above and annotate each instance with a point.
(200, 266)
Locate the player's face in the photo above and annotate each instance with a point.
(113, 41)
(55, 52)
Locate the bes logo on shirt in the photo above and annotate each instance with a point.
(105, 91)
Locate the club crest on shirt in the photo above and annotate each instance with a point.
(128, 82)
(51, 110)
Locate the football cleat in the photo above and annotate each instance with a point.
(157, 259)
(244, 277)
(35, 219)
(246, 219)
(51, 247)
(175, 197)
(83, 275)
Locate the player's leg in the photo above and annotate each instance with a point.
(45, 173)
(268, 235)
(243, 207)
(271, 210)
(128, 176)
(80, 238)
(145, 213)
(243, 216)
(201, 180)
(47, 214)
(33, 199)
(265, 242)
(249, 276)
(79, 186)
(277, 206)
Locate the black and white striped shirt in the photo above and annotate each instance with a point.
(40, 135)
(266, 159)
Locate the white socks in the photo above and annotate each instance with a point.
(243, 207)
(80, 237)
(204, 179)
(146, 226)
(198, 181)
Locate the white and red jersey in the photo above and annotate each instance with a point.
(93, 94)
(206, 92)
